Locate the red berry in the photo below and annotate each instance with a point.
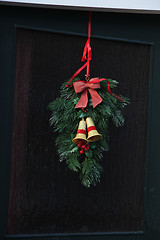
(79, 144)
(85, 149)
(83, 146)
(81, 152)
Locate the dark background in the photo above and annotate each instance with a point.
(46, 197)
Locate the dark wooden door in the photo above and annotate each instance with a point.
(41, 199)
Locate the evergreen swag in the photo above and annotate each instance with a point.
(65, 119)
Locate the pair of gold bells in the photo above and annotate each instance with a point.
(93, 134)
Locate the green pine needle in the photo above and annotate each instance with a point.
(65, 119)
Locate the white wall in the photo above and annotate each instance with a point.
(102, 5)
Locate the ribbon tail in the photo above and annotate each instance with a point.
(82, 103)
(109, 90)
(96, 99)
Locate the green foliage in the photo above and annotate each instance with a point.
(65, 119)
(90, 173)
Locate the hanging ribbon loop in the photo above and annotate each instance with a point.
(87, 55)
(84, 87)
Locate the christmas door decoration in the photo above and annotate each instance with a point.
(81, 117)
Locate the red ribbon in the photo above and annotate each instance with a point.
(87, 52)
(84, 86)
(87, 55)
(94, 83)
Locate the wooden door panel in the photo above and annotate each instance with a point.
(45, 197)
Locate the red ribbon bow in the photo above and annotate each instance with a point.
(84, 86)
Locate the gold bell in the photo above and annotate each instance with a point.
(93, 134)
(81, 133)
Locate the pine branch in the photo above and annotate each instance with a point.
(65, 119)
